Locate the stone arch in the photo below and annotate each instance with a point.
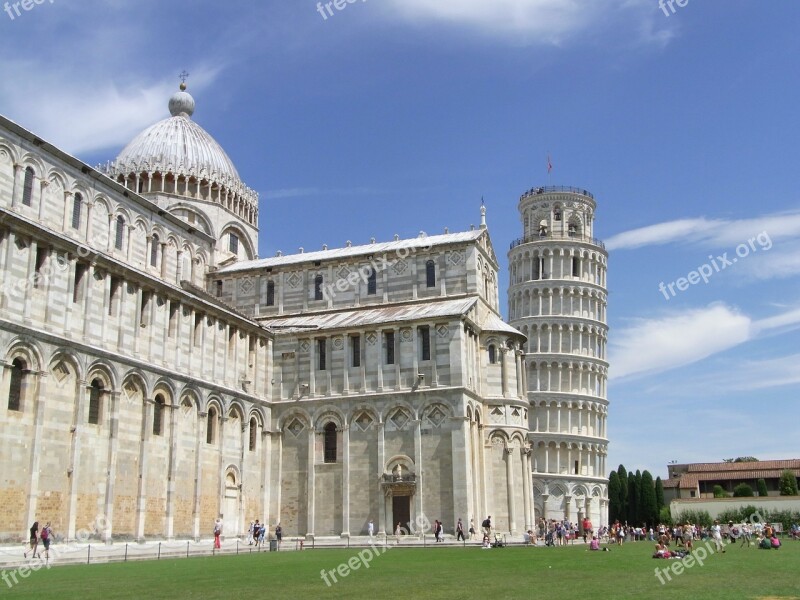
(8, 151)
(103, 370)
(328, 413)
(26, 349)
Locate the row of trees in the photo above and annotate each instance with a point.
(634, 497)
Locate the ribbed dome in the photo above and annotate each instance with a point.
(179, 147)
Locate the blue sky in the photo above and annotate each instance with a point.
(395, 116)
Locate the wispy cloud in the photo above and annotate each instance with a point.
(533, 21)
(91, 113)
(716, 233)
(649, 346)
(656, 345)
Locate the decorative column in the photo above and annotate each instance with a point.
(512, 513)
(173, 408)
(75, 459)
(418, 468)
(39, 394)
(381, 467)
(113, 445)
(202, 424)
(346, 481)
(311, 480)
(525, 455)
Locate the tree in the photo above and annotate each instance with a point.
(648, 507)
(788, 483)
(761, 485)
(623, 493)
(614, 500)
(719, 492)
(740, 459)
(634, 493)
(659, 494)
(743, 490)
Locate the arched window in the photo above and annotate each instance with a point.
(573, 229)
(120, 234)
(95, 401)
(318, 287)
(270, 293)
(27, 187)
(77, 203)
(372, 283)
(253, 433)
(330, 442)
(492, 354)
(154, 251)
(158, 415)
(557, 213)
(211, 426)
(18, 368)
(430, 273)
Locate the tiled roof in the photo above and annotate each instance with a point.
(741, 466)
(370, 316)
(423, 242)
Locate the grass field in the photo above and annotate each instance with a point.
(625, 572)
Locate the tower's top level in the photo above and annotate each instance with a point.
(552, 189)
(557, 212)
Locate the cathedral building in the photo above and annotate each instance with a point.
(159, 374)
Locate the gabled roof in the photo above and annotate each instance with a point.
(423, 242)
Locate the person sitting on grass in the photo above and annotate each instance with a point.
(486, 544)
(594, 544)
(764, 543)
(774, 541)
(661, 551)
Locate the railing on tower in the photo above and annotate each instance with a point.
(548, 189)
(538, 237)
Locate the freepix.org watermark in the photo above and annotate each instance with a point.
(716, 264)
(668, 6)
(366, 556)
(16, 576)
(326, 8)
(12, 9)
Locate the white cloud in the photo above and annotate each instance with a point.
(651, 346)
(714, 233)
(89, 113)
(663, 233)
(541, 21)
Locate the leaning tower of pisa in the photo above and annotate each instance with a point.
(557, 297)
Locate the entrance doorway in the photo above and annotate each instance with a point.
(401, 512)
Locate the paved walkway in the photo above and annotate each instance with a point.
(11, 557)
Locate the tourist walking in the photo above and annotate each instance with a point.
(217, 533)
(716, 534)
(371, 528)
(33, 541)
(471, 529)
(459, 531)
(47, 536)
(279, 535)
(487, 525)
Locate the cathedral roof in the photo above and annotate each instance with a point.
(364, 317)
(423, 242)
(179, 146)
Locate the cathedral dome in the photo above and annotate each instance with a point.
(178, 157)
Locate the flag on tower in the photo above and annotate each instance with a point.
(549, 164)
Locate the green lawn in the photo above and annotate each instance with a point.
(432, 573)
